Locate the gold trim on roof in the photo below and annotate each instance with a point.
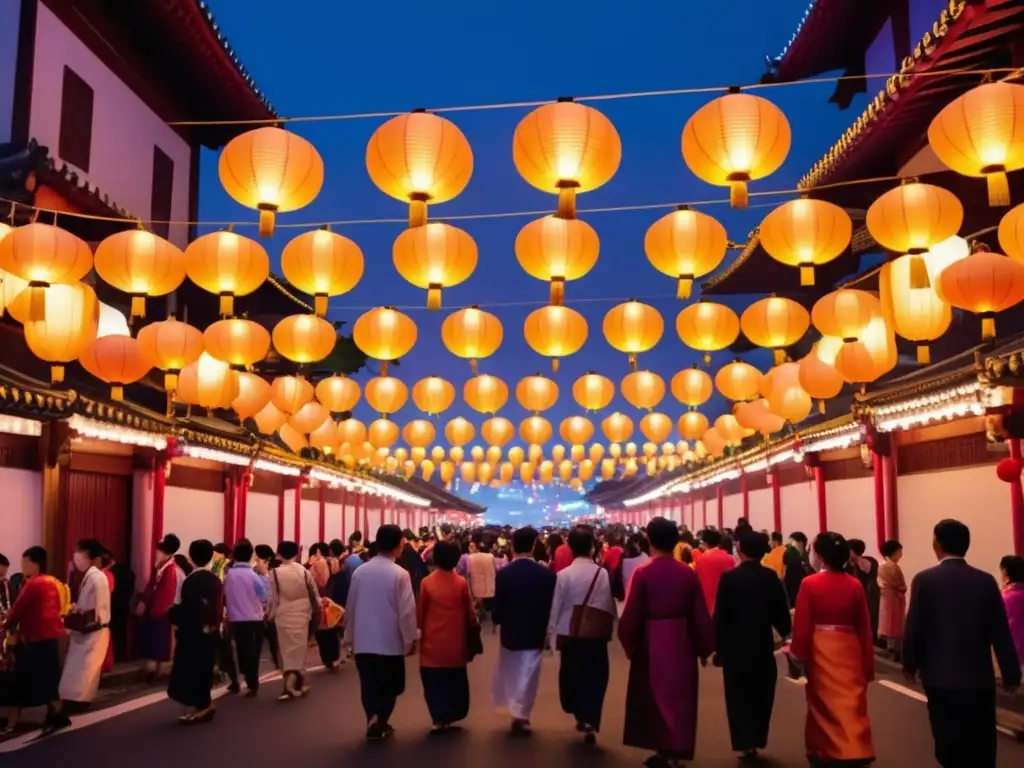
(281, 287)
(753, 241)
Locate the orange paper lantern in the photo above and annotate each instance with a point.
(352, 431)
(458, 431)
(869, 357)
(557, 250)
(692, 386)
(116, 360)
(237, 342)
(309, 417)
(775, 323)
(44, 255)
(555, 332)
(253, 397)
(535, 430)
(497, 431)
(269, 419)
(593, 391)
(386, 394)
(845, 313)
(384, 334)
(643, 389)
(69, 321)
(290, 393)
(916, 312)
(382, 433)
(293, 440)
(322, 264)
(914, 217)
(633, 327)
(576, 430)
(472, 334)
(208, 383)
(338, 393)
(304, 339)
(819, 379)
(806, 233)
(433, 395)
(485, 393)
(738, 381)
(617, 427)
(984, 283)
(707, 327)
(141, 264)
(228, 265)
(171, 345)
(536, 393)
(419, 433)
(685, 244)
(692, 425)
(656, 427)
(434, 256)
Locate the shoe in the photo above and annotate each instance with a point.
(251, 693)
(54, 725)
(234, 688)
(438, 729)
(589, 735)
(389, 731)
(204, 717)
(521, 728)
(186, 719)
(286, 696)
(375, 732)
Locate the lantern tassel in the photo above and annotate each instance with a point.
(821, 407)
(685, 287)
(632, 362)
(117, 393)
(988, 327)
(924, 355)
(567, 202)
(417, 212)
(37, 303)
(779, 356)
(919, 273)
(473, 367)
(170, 381)
(557, 295)
(267, 212)
(138, 306)
(806, 275)
(998, 189)
(56, 374)
(434, 296)
(320, 304)
(554, 365)
(707, 358)
(738, 196)
(227, 304)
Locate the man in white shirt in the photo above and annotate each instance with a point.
(380, 628)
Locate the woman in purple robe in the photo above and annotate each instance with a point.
(665, 627)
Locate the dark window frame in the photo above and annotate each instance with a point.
(77, 110)
(162, 198)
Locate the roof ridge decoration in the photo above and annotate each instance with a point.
(753, 240)
(222, 39)
(799, 28)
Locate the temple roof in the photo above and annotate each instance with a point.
(438, 497)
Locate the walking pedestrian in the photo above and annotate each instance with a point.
(292, 605)
(712, 564)
(245, 595)
(155, 606)
(892, 605)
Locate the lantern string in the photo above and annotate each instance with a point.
(720, 89)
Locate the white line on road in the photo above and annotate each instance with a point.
(904, 690)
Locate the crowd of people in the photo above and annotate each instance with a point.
(732, 598)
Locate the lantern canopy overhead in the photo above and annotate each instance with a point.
(322, 264)
(555, 332)
(434, 256)
(633, 327)
(685, 245)
(806, 233)
(707, 327)
(557, 250)
(141, 264)
(227, 265)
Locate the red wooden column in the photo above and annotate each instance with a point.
(1017, 503)
(773, 478)
(878, 449)
(280, 515)
(720, 492)
(344, 515)
(745, 494)
(323, 513)
(159, 486)
(356, 526)
(241, 502)
(819, 486)
(892, 509)
(229, 508)
(368, 536)
(297, 526)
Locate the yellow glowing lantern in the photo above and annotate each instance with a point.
(477, 453)
(642, 389)
(208, 383)
(472, 334)
(236, 341)
(576, 430)
(557, 250)
(271, 170)
(458, 431)
(536, 393)
(456, 453)
(617, 427)
(408, 467)
(787, 398)
(633, 327)
(913, 217)
(775, 323)
(557, 453)
(338, 393)
(981, 133)
(289, 393)
(565, 471)
(11, 287)
(309, 417)
(382, 433)
(735, 139)
(497, 431)
(293, 440)
(433, 395)
(506, 473)
(565, 148)
(555, 332)
(985, 284)
(547, 472)
(615, 451)
(384, 334)
(949, 251)
(419, 158)
(738, 381)
(692, 386)
(141, 264)
(485, 393)
(526, 472)
(684, 245)
(656, 427)
(806, 233)
(116, 360)
(714, 442)
(535, 430)
(401, 454)
(351, 431)
(253, 396)
(427, 470)
(534, 454)
(845, 313)
(437, 454)
(468, 471)
(729, 428)
(447, 470)
(69, 321)
(304, 339)
(578, 452)
(386, 394)
(434, 256)
(228, 265)
(596, 452)
(593, 391)
(516, 456)
(484, 473)
(871, 356)
(269, 419)
(820, 380)
(419, 433)
(707, 327)
(171, 345)
(607, 469)
(322, 264)
(1011, 235)
(692, 425)
(586, 470)
(917, 314)
(44, 255)
(493, 453)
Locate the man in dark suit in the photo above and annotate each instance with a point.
(751, 602)
(523, 592)
(956, 619)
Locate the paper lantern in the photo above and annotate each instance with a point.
(456, 452)
(775, 323)
(271, 169)
(468, 471)
(707, 327)
(386, 394)
(269, 419)
(535, 430)
(555, 332)
(656, 427)
(116, 360)
(596, 452)
(547, 472)
(536, 393)
(493, 455)
(472, 334)
(304, 339)
(338, 393)
(253, 396)
(617, 427)
(981, 133)
(593, 391)
(565, 471)
(735, 139)
(755, 415)
(615, 450)
(433, 395)
(914, 217)
(351, 431)
(419, 433)
(516, 456)
(112, 322)
(434, 256)
(384, 334)
(208, 382)
(497, 431)
(578, 452)
(420, 158)
(526, 472)
(819, 379)
(984, 283)
(228, 265)
(322, 264)
(586, 469)
(506, 473)
(806, 233)
(941, 255)
(576, 430)
(289, 393)
(43, 255)
(309, 417)
(1011, 234)
(607, 469)
(787, 398)
(565, 148)
(643, 389)
(485, 393)
(738, 380)
(484, 473)
(141, 264)
(633, 327)
(916, 313)
(11, 287)
(382, 433)
(845, 313)
(447, 470)
(293, 440)
(692, 386)
(871, 356)
(236, 341)
(557, 250)
(714, 442)
(69, 320)
(458, 431)
(171, 345)
(557, 453)
(684, 245)
(401, 455)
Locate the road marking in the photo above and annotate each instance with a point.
(78, 722)
(909, 692)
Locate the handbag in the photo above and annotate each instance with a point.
(474, 641)
(316, 609)
(82, 622)
(588, 622)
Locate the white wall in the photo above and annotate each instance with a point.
(800, 509)
(732, 510)
(142, 526)
(124, 129)
(10, 25)
(350, 524)
(309, 525)
(192, 515)
(332, 522)
(851, 510)
(974, 496)
(21, 515)
(289, 515)
(761, 511)
(261, 519)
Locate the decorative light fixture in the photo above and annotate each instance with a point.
(98, 430)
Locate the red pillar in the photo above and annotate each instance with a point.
(355, 515)
(367, 535)
(704, 511)
(819, 486)
(344, 515)
(744, 491)
(159, 484)
(879, 478)
(241, 503)
(280, 516)
(892, 517)
(323, 513)
(773, 478)
(298, 510)
(229, 508)
(1017, 503)
(720, 492)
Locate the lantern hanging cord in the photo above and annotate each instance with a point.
(509, 304)
(707, 89)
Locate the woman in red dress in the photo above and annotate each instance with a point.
(832, 636)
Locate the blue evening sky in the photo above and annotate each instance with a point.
(327, 57)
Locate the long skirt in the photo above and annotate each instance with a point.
(192, 674)
(749, 698)
(446, 690)
(156, 639)
(516, 677)
(381, 682)
(329, 643)
(83, 665)
(292, 641)
(36, 677)
(837, 702)
(583, 679)
(892, 614)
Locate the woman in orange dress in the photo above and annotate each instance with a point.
(832, 636)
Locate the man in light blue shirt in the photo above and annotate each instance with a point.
(245, 595)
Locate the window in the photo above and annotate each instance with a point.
(163, 190)
(75, 142)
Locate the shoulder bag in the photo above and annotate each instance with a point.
(588, 622)
(316, 609)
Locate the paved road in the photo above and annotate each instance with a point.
(326, 729)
